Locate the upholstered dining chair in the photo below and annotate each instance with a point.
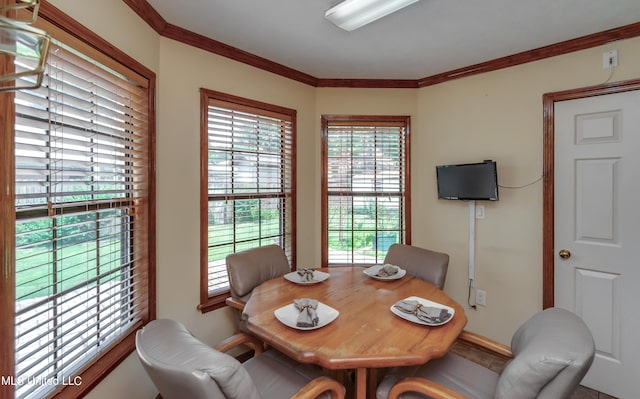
(550, 354)
(248, 269)
(181, 366)
(423, 263)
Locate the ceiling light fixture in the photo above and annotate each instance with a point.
(352, 14)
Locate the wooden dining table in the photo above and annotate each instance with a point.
(366, 335)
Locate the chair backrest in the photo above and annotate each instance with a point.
(247, 269)
(181, 366)
(552, 351)
(428, 265)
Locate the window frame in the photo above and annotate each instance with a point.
(211, 302)
(62, 27)
(363, 120)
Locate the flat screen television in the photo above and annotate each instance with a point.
(470, 181)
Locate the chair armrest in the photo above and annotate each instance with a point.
(240, 339)
(423, 386)
(235, 303)
(318, 386)
(486, 343)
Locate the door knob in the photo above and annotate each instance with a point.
(564, 254)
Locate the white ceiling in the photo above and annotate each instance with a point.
(424, 39)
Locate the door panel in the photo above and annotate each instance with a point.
(596, 189)
(595, 199)
(597, 294)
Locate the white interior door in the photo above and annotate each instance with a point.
(597, 223)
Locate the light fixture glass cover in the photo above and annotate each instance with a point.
(23, 4)
(352, 14)
(29, 47)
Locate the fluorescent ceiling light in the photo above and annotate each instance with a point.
(352, 14)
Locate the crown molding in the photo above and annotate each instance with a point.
(553, 50)
(160, 25)
(163, 28)
(369, 83)
(202, 42)
(148, 14)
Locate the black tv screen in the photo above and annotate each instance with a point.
(471, 181)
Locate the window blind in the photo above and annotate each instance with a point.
(365, 183)
(250, 193)
(82, 197)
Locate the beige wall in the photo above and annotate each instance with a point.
(183, 71)
(115, 22)
(496, 115)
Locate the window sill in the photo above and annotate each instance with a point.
(213, 303)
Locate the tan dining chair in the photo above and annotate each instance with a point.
(181, 366)
(426, 264)
(550, 354)
(248, 269)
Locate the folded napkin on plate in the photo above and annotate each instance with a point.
(428, 314)
(308, 316)
(387, 270)
(305, 274)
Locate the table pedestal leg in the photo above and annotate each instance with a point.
(361, 383)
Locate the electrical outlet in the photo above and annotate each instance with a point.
(480, 212)
(481, 297)
(610, 59)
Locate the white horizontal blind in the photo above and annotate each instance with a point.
(81, 215)
(250, 169)
(365, 189)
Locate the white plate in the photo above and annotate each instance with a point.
(424, 302)
(373, 271)
(288, 315)
(318, 276)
